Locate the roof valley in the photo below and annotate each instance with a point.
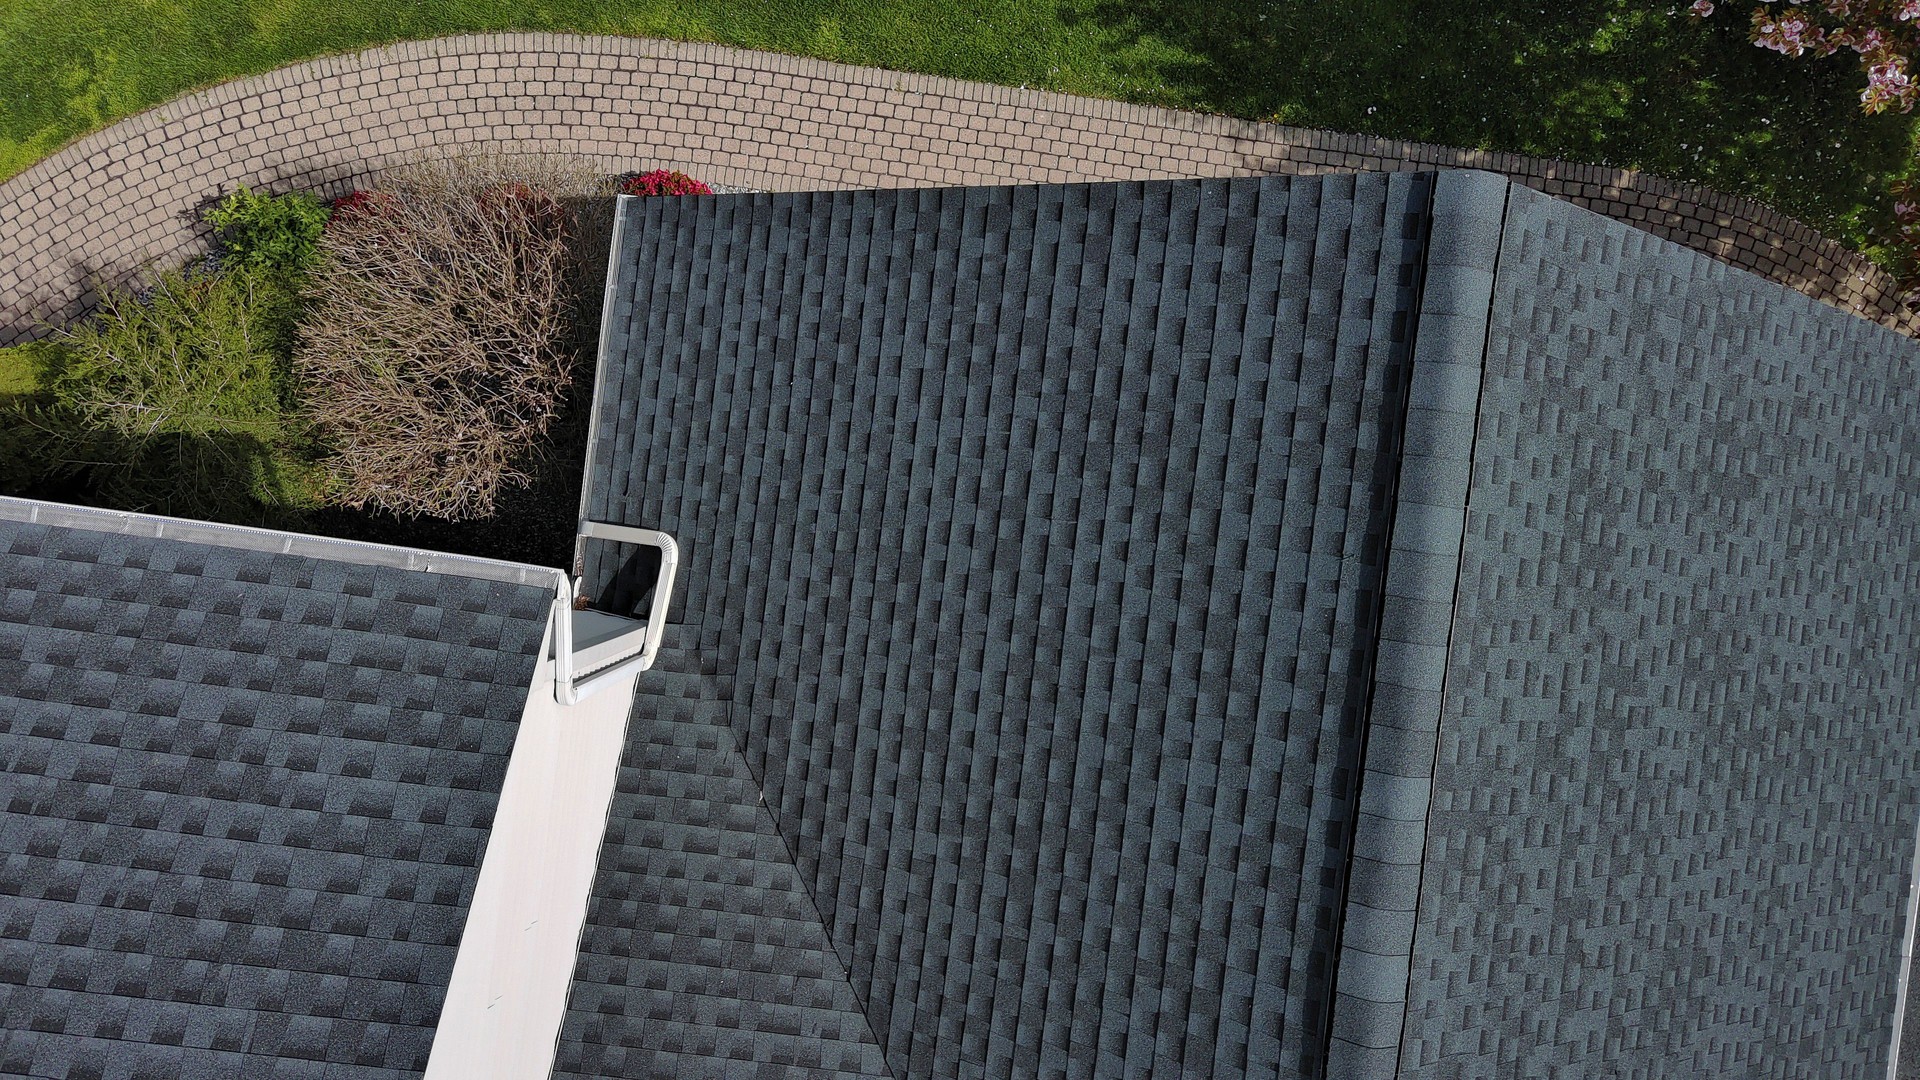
(699, 913)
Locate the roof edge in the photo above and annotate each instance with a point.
(607, 304)
(249, 538)
(1903, 984)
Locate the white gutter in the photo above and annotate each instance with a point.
(569, 687)
(1903, 984)
(246, 538)
(506, 1000)
(600, 360)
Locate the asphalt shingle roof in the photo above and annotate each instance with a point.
(1353, 625)
(1678, 766)
(245, 800)
(1202, 626)
(703, 955)
(1035, 535)
(1384, 871)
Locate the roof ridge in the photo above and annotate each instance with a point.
(1455, 258)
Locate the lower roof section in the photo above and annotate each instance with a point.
(246, 795)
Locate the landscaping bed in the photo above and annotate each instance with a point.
(409, 365)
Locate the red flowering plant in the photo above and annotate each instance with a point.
(1885, 35)
(660, 182)
(356, 204)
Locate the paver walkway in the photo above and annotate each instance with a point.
(130, 192)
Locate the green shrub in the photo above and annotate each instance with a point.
(180, 402)
(24, 367)
(256, 231)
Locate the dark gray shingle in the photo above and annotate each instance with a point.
(245, 799)
(703, 954)
(1038, 559)
(1674, 798)
(1031, 535)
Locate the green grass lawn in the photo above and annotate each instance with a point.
(1610, 81)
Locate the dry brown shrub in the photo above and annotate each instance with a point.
(436, 346)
